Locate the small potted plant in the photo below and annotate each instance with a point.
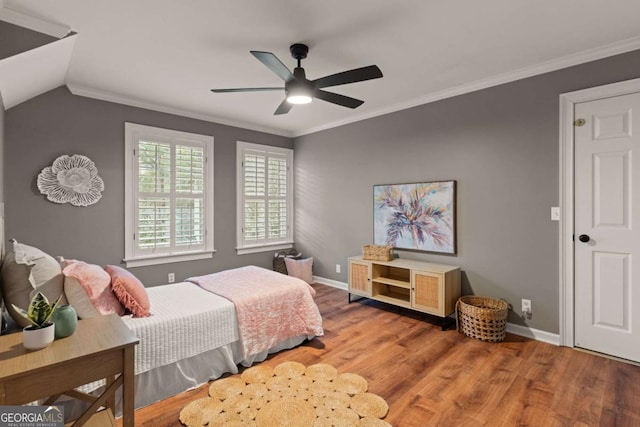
(41, 331)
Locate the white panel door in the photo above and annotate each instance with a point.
(607, 227)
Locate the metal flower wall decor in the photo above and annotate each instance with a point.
(71, 179)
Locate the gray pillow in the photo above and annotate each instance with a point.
(26, 270)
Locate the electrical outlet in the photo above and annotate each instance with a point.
(526, 306)
(337, 268)
(171, 277)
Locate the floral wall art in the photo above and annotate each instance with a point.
(419, 216)
(71, 179)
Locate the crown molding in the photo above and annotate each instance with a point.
(32, 23)
(522, 73)
(553, 65)
(126, 100)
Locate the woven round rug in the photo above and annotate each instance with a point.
(291, 395)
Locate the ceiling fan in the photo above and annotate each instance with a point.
(299, 89)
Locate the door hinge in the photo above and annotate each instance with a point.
(579, 122)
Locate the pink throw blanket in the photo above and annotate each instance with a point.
(270, 306)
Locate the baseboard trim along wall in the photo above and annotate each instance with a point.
(329, 282)
(520, 330)
(536, 334)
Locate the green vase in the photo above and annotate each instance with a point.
(66, 321)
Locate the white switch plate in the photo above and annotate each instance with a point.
(555, 213)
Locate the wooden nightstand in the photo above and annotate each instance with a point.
(101, 348)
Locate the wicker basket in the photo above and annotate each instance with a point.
(483, 318)
(278, 260)
(377, 253)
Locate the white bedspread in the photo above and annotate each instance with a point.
(186, 320)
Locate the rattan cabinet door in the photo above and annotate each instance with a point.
(427, 292)
(360, 278)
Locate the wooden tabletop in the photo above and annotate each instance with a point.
(94, 335)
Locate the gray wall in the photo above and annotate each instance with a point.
(2, 120)
(21, 39)
(499, 144)
(2, 240)
(57, 123)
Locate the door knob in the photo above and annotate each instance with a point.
(584, 238)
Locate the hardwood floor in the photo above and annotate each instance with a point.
(435, 378)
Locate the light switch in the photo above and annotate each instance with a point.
(555, 213)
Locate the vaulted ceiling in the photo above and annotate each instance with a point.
(166, 54)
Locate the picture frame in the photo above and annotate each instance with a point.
(416, 216)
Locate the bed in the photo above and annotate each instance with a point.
(193, 335)
(198, 329)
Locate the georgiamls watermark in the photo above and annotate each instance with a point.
(31, 416)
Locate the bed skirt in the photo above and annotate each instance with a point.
(166, 381)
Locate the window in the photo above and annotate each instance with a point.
(264, 197)
(168, 196)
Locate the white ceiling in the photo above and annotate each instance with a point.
(167, 54)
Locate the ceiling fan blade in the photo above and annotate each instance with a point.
(335, 98)
(274, 64)
(283, 108)
(351, 76)
(247, 89)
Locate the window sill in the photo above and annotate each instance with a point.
(167, 259)
(263, 248)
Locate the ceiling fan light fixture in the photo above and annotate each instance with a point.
(298, 94)
(298, 99)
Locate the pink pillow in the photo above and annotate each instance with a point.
(129, 290)
(300, 268)
(88, 290)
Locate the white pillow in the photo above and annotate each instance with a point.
(300, 268)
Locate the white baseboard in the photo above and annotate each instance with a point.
(536, 334)
(522, 331)
(330, 282)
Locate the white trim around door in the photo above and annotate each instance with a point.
(567, 105)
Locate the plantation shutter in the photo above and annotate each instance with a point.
(154, 196)
(190, 216)
(168, 196)
(171, 197)
(277, 197)
(266, 209)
